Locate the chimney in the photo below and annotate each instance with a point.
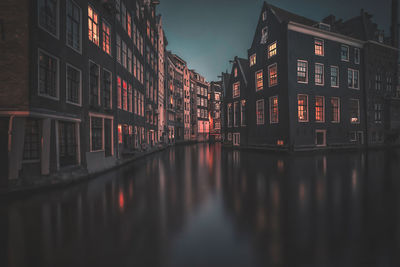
(395, 23)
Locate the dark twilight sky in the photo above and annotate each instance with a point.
(209, 33)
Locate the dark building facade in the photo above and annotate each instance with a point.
(309, 84)
(84, 88)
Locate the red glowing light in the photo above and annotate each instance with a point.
(121, 200)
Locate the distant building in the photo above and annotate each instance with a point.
(162, 116)
(203, 124)
(214, 107)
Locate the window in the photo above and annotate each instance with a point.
(73, 77)
(229, 115)
(260, 111)
(119, 92)
(129, 61)
(236, 90)
(243, 112)
(129, 24)
(273, 110)
(319, 74)
(118, 9)
(235, 72)
(378, 112)
(48, 75)
(106, 38)
(125, 95)
(259, 80)
(319, 109)
(302, 71)
(335, 109)
(344, 54)
(253, 59)
(273, 75)
(334, 76)
(264, 15)
(130, 98)
(73, 25)
(107, 85)
(354, 110)
(96, 127)
(357, 55)
(378, 81)
(123, 15)
(118, 41)
(236, 114)
(272, 50)
(94, 83)
(319, 47)
(353, 79)
(264, 35)
(236, 139)
(93, 26)
(389, 83)
(32, 141)
(124, 54)
(48, 16)
(302, 108)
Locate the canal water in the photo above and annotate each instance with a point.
(203, 205)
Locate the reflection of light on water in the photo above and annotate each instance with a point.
(236, 157)
(302, 192)
(280, 165)
(354, 177)
(121, 200)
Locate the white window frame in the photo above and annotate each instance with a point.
(308, 109)
(256, 80)
(103, 117)
(323, 109)
(276, 49)
(323, 74)
(324, 133)
(358, 73)
(233, 90)
(236, 139)
(109, 26)
(359, 115)
(348, 53)
(323, 47)
(58, 76)
(80, 29)
(338, 75)
(297, 66)
(79, 104)
(269, 74)
(270, 109)
(57, 35)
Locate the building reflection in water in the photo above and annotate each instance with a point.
(217, 206)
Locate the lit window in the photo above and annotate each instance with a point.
(120, 137)
(125, 95)
(302, 104)
(119, 92)
(48, 75)
(260, 111)
(106, 38)
(354, 110)
(264, 15)
(129, 24)
(130, 98)
(344, 53)
(94, 83)
(259, 80)
(357, 55)
(273, 109)
(302, 71)
(73, 85)
(319, 74)
(253, 60)
(235, 72)
(319, 47)
(335, 109)
(48, 15)
(334, 76)
(73, 25)
(236, 90)
(353, 79)
(272, 50)
(93, 26)
(319, 109)
(273, 75)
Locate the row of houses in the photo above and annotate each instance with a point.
(85, 83)
(307, 84)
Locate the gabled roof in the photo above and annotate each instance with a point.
(286, 16)
(244, 68)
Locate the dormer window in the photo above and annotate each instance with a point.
(264, 15)
(235, 72)
(324, 26)
(253, 60)
(264, 35)
(319, 47)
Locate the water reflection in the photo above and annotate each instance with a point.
(202, 205)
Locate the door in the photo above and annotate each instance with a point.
(67, 143)
(320, 137)
(4, 151)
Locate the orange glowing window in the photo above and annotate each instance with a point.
(319, 109)
(121, 200)
(106, 38)
(273, 75)
(125, 95)
(302, 107)
(272, 50)
(280, 142)
(120, 134)
(93, 26)
(119, 92)
(319, 47)
(253, 60)
(236, 72)
(260, 111)
(236, 90)
(274, 112)
(129, 24)
(259, 80)
(335, 106)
